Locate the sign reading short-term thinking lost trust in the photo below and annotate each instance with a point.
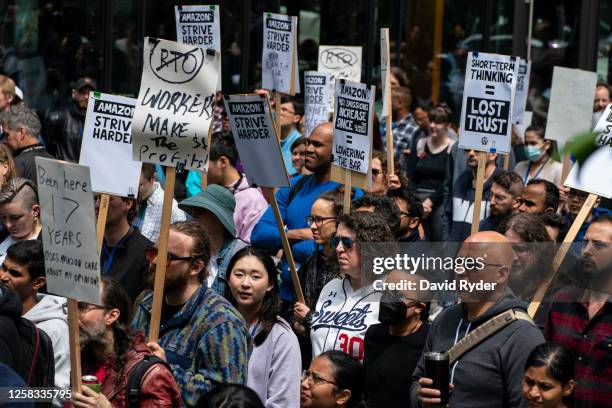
(595, 175)
(69, 234)
(256, 140)
(316, 96)
(279, 54)
(353, 125)
(488, 102)
(107, 145)
(175, 104)
(522, 86)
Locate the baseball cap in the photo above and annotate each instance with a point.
(85, 82)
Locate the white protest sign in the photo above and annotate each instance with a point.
(175, 104)
(488, 99)
(69, 230)
(571, 104)
(595, 175)
(353, 114)
(384, 71)
(107, 145)
(316, 96)
(199, 25)
(342, 62)
(256, 140)
(279, 59)
(522, 88)
(520, 128)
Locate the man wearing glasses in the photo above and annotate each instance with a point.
(201, 335)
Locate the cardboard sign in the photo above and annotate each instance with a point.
(341, 62)
(279, 59)
(571, 104)
(316, 96)
(175, 104)
(69, 233)
(520, 128)
(107, 145)
(353, 115)
(595, 175)
(488, 102)
(199, 25)
(522, 88)
(384, 71)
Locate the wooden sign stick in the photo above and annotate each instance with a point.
(584, 212)
(480, 173)
(389, 130)
(286, 247)
(567, 164)
(162, 255)
(506, 161)
(101, 223)
(204, 179)
(348, 185)
(277, 109)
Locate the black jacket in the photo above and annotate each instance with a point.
(63, 133)
(10, 341)
(25, 160)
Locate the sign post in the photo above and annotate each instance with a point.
(385, 79)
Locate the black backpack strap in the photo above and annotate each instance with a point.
(297, 187)
(132, 391)
(34, 356)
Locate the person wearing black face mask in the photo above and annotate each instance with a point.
(393, 347)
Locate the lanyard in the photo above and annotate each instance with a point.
(537, 173)
(113, 251)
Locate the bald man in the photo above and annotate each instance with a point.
(490, 374)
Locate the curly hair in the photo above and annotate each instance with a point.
(368, 227)
(384, 207)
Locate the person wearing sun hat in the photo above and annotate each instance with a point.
(213, 208)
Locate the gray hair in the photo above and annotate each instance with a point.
(19, 189)
(19, 116)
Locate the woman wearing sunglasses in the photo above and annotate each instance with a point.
(333, 380)
(20, 212)
(348, 306)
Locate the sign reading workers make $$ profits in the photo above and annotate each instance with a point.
(107, 145)
(488, 102)
(256, 140)
(198, 25)
(175, 104)
(279, 54)
(353, 125)
(68, 233)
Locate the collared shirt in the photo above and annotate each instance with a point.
(403, 132)
(149, 216)
(591, 339)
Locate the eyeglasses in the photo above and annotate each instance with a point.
(285, 110)
(347, 242)
(86, 307)
(318, 221)
(314, 378)
(152, 252)
(376, 172)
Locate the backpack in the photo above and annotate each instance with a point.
(37, 351)
(132, 391)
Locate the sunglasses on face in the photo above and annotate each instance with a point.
(152, 252)
(376, 172)
(347, 242)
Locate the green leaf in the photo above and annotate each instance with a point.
(582, 146)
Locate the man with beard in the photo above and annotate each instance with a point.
(505, 199)
(581, 319)
(411, 213)
(111, 352)
(539, 196)
(201, 335)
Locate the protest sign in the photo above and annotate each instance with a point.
(353, 114)
(385, 81)
(571, 104)
(175, 104)
(69, 235)
(488, 101)
(316, 96)
(279, 54)
(522, 87)
(595, 174)
(107, 145)
(255, 137)
(341, 62)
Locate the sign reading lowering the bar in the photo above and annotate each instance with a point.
(69, 230)
(256, 140)
(522, 86)
(342, 62)
(353, 125)
(279, 60)
(488, 102)
(107, 145)
(595, 175)
(175, 104)
(316, 95)
(384, 71)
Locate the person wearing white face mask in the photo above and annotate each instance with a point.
(539, 163)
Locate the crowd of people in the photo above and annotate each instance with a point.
(233, 333)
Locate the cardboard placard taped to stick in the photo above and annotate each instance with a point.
(316, 95)
(175, 104)
(69, 230)
(488, 102)
(385, 67)
(522, 86)
(279, 55)
(595, 174)
(256, 140)
(341, 62)
(107, 145)
(570, 110)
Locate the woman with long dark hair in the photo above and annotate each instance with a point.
(275, 363)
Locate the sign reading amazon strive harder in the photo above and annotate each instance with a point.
(488, 102)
